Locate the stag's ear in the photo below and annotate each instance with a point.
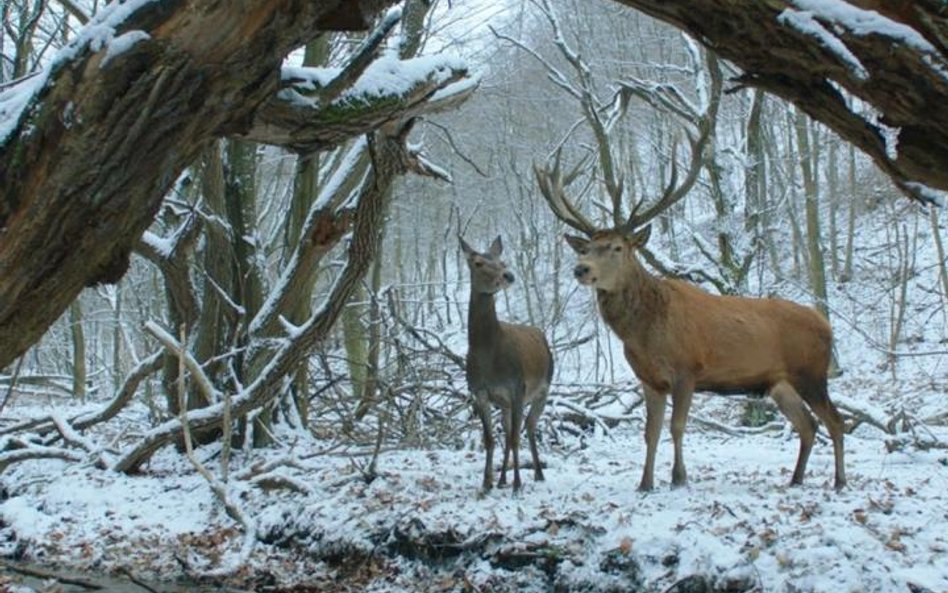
(641, 238)
(496, 248)
(466, 248)
(578, 244)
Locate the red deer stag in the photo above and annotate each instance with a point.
(508, 365)
(679, 339)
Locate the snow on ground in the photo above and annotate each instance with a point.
(422, 524)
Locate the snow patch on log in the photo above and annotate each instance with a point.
(805, 23)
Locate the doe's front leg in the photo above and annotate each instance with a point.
(482, 409)
(505, 420)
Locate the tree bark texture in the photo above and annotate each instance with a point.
(903, 77)
(99, 145)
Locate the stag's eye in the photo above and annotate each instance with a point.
(617, 248)
(478, 264)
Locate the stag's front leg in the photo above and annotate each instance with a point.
(654, 416)
(681, 404)
(482, 408)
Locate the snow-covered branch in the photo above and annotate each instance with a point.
(388, 90)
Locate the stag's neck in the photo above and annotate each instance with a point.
(483, 327)
(637, 304)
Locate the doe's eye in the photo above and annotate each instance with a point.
(617, 248)
(478, 264)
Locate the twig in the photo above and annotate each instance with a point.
(204, 384)
(217, 487)
(71, 437)
(736, 431)
(30, 451)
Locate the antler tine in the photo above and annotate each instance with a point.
(552, 186)
(631, 222)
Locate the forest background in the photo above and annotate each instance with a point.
(309, 378)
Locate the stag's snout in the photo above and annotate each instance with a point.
(509, 277)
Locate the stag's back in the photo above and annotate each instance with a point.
(735, 343)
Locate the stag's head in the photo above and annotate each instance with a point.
(488, 272)
(604, 257)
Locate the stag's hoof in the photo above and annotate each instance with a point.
(840, 484)
(645, 486)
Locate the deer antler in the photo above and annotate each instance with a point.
(553, 184)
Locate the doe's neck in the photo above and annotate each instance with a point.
(482, 322)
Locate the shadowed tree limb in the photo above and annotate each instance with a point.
(895, 60)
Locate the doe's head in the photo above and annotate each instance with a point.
(604, 255)
(489, 273)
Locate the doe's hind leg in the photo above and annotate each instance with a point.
(536, 408)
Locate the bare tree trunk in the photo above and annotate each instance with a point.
(78, 351)
(851, 224)
(817, 270)
(832, 180)
(940, 248)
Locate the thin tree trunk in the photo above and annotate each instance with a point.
(940, 248)
(78, 351)
(851, 225)
(817, 270)
(832, 180)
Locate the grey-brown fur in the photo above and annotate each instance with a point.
(508, 365)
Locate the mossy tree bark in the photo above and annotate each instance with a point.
(104, 137)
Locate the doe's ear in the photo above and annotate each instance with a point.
(640, 238)
(465, 248)
(578, 244)
(497, 247)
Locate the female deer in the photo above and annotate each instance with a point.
(508, 365)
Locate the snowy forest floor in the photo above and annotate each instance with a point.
(422, 525)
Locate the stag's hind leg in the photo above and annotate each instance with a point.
(829, 415)
(792, 406)
(536, 408)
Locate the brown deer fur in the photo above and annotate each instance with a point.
(679, 339)
(508, 365)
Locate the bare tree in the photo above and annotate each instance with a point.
(890, 55)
